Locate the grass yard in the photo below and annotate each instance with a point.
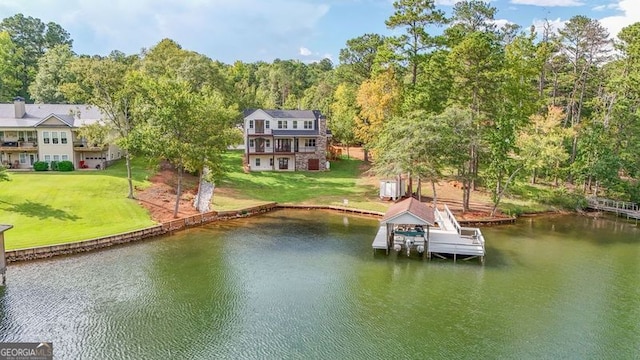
(54, 207)
(239, 189)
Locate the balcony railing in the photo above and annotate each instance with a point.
(307, 149)
(283, 149)
(261, 149)
(83, 146)
(18, 145)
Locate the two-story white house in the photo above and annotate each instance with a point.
(48, 132)
(285, 140)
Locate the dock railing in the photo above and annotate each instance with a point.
(612, 205)
(452, 219)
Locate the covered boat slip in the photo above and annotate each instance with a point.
(411, 226)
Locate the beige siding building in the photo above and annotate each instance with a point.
(48, 132)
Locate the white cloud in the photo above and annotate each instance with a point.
(305, 52)
(502, 22)
(218, 28)
(630, 14)
(554, 25)
(451, 2)
(549, 3)
(605, 7)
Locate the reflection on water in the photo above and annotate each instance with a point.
(300, 284)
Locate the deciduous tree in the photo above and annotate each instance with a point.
(53, 72)
(34, 38)
(378, 99)
(189, 129)
(10, 57)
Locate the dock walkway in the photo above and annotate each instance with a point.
(624, 208)
(380, 241)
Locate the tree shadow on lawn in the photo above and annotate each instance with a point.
(40, 211)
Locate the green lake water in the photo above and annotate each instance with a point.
(305, 284)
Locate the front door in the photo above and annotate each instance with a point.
(32, 159)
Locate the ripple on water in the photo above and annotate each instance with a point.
(305, 285)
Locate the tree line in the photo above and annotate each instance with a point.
(453, 95)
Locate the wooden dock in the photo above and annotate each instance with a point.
(380, 241)
(620, 208)
(411, 226)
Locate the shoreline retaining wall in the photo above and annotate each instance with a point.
(44, 252)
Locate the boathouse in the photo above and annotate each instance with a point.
(412, 226)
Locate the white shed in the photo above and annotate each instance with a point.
(389, 189)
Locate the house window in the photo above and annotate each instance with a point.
(282, 124)
(308, 124)
(266, 125)
(267, 143)
(23, 158)
(45, 137)
(295, 124)
(56, 157)
(65, 157)
(283, 163)
(250, 124)
(47, 159)
(310, 142)
(54, 137)
(258, 162)
(63, 137)
(271, 162)
(251, 143)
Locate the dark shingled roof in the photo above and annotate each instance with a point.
(287, 114)
(411, 206)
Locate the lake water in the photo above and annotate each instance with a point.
(305, 284)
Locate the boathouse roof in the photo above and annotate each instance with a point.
(409, 211)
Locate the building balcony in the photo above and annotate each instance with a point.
(83, 147)
(18, 146)
(260, 150)
(307, 149)
(283, 149)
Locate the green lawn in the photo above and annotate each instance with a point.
(52, 207)
(343, 181)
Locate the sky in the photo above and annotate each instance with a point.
(253, 30)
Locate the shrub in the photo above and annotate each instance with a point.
(65, 165)
(40, 166)
(566, 200)
(54, 165)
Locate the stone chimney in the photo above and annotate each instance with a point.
(18, 104)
